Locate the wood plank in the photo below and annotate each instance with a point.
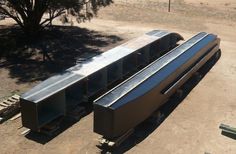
(3, 104)
(8, 102)
(1, 108)
(17, 97)
(10, 107)
(16, 117)
(12, 100)
(25, 132)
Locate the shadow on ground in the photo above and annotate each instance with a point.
(64, 45)
(146, 128)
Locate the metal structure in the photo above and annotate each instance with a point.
(85, 81)
(134, 100)
(228, 129)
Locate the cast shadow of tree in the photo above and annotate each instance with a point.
(64, 44)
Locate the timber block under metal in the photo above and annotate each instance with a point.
(9, 107)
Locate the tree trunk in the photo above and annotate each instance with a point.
(31, 28)
(32, 25)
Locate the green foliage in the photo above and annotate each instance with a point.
(33, 15)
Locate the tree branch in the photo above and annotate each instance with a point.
(5, 12)
(60, 12)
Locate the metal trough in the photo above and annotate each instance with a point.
(134, 100)
(83, 82)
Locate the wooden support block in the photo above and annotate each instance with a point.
(9, 108)
(25, 132)
(16, 117)
(102, 141)
(2, 108)
(12, 100)
(111, 144)
(8, 102)
(3, 104)
(16, 97)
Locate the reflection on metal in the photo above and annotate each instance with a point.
(135, 99)
(83, 82)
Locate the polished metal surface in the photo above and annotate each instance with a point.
(83, 70)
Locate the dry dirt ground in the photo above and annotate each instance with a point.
(193, 126)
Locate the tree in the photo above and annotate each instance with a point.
(34, 15)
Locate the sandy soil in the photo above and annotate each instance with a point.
(229, 4)
(193, 126)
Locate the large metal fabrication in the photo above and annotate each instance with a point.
(83, 82)
(134, 100)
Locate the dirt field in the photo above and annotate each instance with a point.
(193, 126)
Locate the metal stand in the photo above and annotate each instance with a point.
(77, 113)
(51, 128)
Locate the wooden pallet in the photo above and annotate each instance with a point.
(9, 107)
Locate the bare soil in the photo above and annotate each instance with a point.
(192, 127)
